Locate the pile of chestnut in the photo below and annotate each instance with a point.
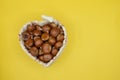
(43, 42)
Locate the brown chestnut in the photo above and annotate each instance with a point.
(54, 32)
(25, 36)
(46, 28)
(30, 27)
(58, 44)
(47, 57)
(29, 42)
(53, 25)
(41, 58)
(54, 51)
(52, 40)
(36, 32)
(45, 36)
(46, 48)
(60, 37)
(38, 42)
(34, 51)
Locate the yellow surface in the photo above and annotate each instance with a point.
(93, 48)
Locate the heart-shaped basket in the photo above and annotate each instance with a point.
(46, 19)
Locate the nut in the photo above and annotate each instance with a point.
(54, 32)
(54, 51)
(53, 25)
(34, 51)
(41, 58)
(47, 57)
(60, 37)
(46, 28)
(52, 40)
(58, 44)
(45, 36)
(46, 48)
(25, 36)
(36, 32)
(29, 42)
(30, 27)
(38, 42)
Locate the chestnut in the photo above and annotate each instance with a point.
(36, 32)
(38, 42)
(34, 51)
(25, 36)
(53, 25)
(46, 48)
(60, 37)
(45, 36)
(47, 57)
(46, 28)
(29, 42)
(54, 51)
(54, 32)
(52, 40)
(30, 27)
(41, 58)
(58, 44)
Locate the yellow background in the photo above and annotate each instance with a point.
(93, 48)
